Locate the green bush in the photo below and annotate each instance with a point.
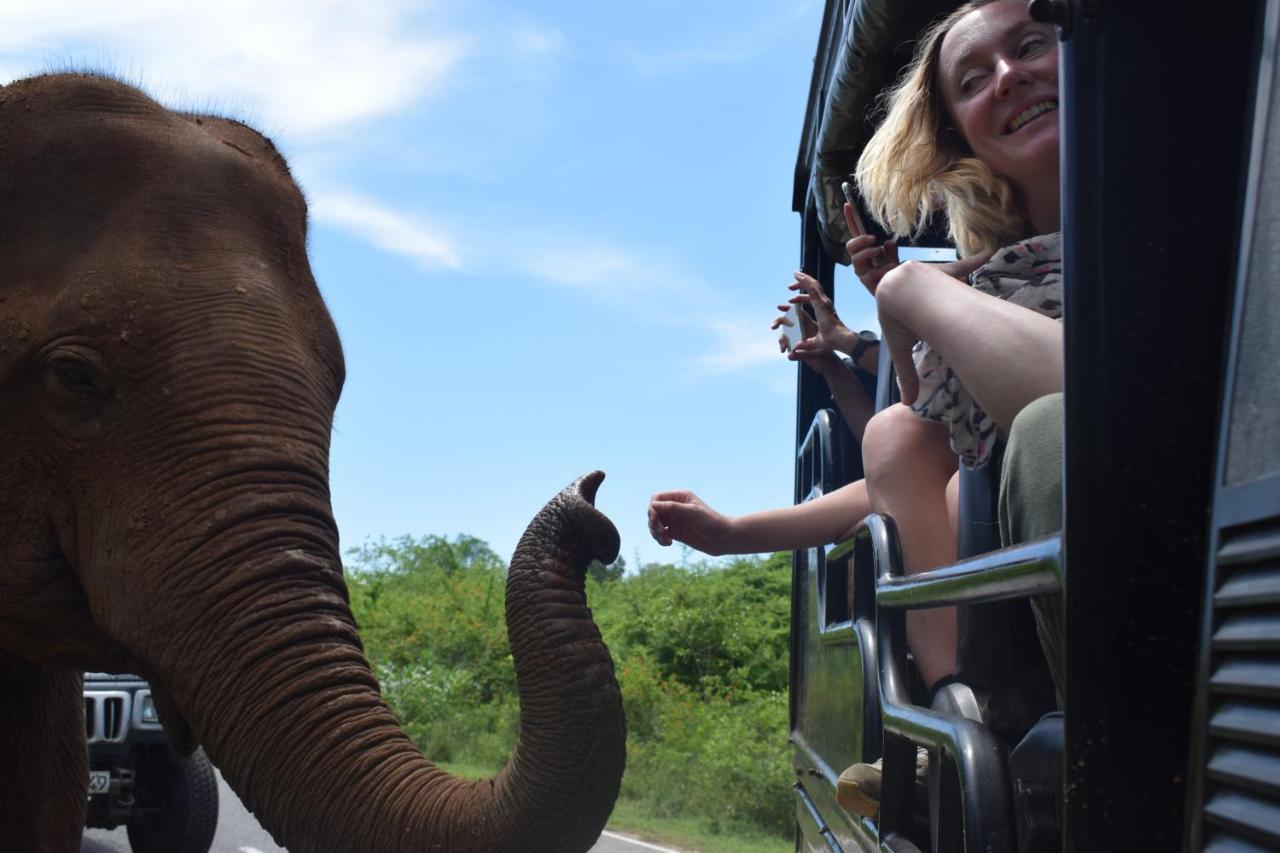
(714, 629)
(701, 656)
(441, 710)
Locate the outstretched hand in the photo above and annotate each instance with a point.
(681, 516)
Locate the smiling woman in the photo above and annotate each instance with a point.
(971, 129)
(946, 144)
(999, 72)
(970, 132)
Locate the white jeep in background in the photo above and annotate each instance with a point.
(168, 804)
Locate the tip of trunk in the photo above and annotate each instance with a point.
(567, 766)
(587, 485)
(593, 535)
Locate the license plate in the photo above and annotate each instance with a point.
(99, 782)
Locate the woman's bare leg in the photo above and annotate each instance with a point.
(953, 503)
(1005, 355)
(909, 466)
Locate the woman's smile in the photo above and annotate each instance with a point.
(1037, 109)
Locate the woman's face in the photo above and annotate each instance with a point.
(998, 73)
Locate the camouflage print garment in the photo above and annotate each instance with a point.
(1028, 273)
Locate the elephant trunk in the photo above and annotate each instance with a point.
(316, 754)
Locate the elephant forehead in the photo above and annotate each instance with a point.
(87, 154)
(54, 103)
(115, 207)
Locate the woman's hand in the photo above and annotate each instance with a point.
(961, 269)
(871, 263)
(809, 346)
(829, 333)
(681, 516)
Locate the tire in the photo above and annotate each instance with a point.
(187, 793)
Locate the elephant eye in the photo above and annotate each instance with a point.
(74, 383)
(74, 377)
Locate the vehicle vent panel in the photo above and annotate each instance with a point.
(1248, 723)
(1256, 631)
(1242, 803)
(1226, 844)
(106, 716)
(1253, 446)
(1248, 769)
(1250, 587)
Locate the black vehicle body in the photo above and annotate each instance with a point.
(1168, 736)
(169, 804)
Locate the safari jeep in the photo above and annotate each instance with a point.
(169, 805)
(1167, 732)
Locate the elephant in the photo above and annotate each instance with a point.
(168, 378)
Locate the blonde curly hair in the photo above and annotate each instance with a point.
(915, 163)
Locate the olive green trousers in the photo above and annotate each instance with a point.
(1031, 507)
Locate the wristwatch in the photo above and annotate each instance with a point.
(865, 339)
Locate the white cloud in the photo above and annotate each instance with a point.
(650, 285)
(740, 345)
(647, 284)
(682, 59)
(749, 343)
(387, 229)
(307, 71)
(593, 269)
(642, 281)
(306, 65)
(533, 41)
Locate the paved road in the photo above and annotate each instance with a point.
(239, 832)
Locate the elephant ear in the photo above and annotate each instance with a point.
(182, 741)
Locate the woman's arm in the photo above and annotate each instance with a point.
(850, 396)
(1004, 354)
(681, 516)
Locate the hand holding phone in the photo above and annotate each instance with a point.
(870, 260)
(851, 216)
(791, 326)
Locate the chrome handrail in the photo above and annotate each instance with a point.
(987, 813)
(1021, 571)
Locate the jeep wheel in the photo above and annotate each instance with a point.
(186, 793)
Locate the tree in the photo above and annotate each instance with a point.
(612, 572)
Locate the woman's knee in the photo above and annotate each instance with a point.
(898, 441)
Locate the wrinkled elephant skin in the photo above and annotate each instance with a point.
(168, 376)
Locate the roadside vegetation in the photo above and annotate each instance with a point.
(701, 654)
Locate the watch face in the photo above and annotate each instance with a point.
(868, 337)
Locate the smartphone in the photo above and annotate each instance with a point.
(852, 218)
(791, 328)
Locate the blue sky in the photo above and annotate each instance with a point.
(551, 234)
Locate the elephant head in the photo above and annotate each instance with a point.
(168, 376)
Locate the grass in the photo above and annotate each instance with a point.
(691, 834)
(688, 834)
(467, 771)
